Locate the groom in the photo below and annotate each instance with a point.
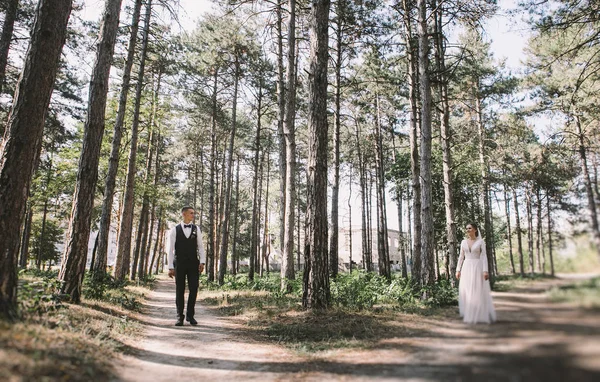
(186, 259)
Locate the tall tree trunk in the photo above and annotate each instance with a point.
(256, 268)
(414, 137)
(382, 231)
(94, 250)
(401, 239)
(550, 254)
(540, 234)
(75, 255)
(335, 188)
(211, 250)
(363, 198)
(154, 260)
(588, 186)
(508, 229)
(113, 161)
(229, 179)
(316, 285)
(266, 242)
(289, 132)
(427, 244)
(518, 229)
(485, 186)
(42, 234)
(10, 16)
(255, 190)
(124, 246)
(350, 231)
(234, 255)
(446, 143)
(529, 229)
(24, 247)
(281, 103)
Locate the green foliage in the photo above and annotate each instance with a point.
(44, 247)
(95, 286)
(358, 290)
(39, 294)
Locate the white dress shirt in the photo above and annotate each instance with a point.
(170, 243)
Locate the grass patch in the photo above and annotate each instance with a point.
(585, 294)
(365, 308)
(54, 340)
(505, 283)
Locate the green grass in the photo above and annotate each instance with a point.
(365, 308)
(56, 340)
(585, 294)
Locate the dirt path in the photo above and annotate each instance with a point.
(533, 340)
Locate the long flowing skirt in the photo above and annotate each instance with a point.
(474, 294)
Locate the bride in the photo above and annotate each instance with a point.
(474, 293)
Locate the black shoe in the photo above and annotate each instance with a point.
(191, 320)
(179, 322)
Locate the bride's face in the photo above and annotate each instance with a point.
(471, 232)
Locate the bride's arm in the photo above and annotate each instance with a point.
(461, 259)
(483, 257)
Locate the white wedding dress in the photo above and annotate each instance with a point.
(474, 294)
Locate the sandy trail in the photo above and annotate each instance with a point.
(533, 340)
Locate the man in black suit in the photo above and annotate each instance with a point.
(186, 257)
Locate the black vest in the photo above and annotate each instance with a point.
(186, 248)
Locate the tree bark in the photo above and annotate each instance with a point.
(335, 188)
(382, 231)
(414, 136)
(446, 144)
(289, 132)
(518, 229)
(281, 116)
(316, 286)
(24, 247)
(485, 186)
(588, 186)
(229, 180)
(22, 141)
(12, 6)
(427, 244)
(75, 255)
(539, 242)
(211, 250)
(550, 254)
(124, 246)
(234, 255)
(113, 161)
(255, 191)
(508, 228)
(529, 229)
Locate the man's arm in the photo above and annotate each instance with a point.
(202, 255)
(170, 249)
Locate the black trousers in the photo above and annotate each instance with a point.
(186, 269)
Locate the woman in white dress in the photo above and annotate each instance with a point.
(474, 294)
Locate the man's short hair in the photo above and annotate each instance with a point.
(186, 208)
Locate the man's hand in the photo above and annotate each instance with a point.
(486, 276)
(458, 275)
(201, 268)
(171, 273)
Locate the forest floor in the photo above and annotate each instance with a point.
(536, 338)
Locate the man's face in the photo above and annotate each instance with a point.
(188, 215)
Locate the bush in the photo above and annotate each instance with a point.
(357, 290)
(39, 296)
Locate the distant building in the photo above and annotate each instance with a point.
(350, 246)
